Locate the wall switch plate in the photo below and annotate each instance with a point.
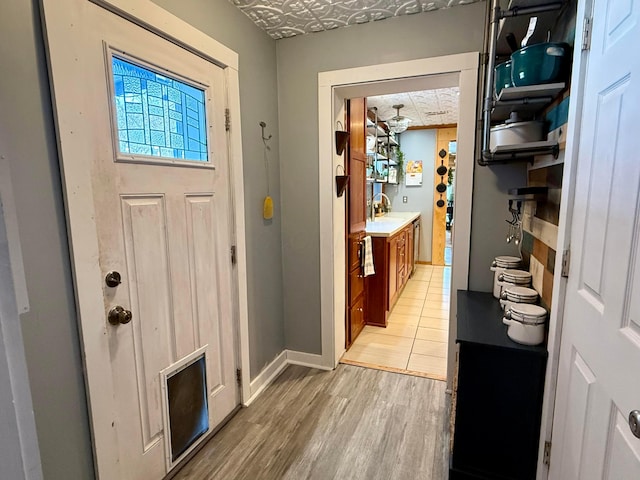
(405, 199)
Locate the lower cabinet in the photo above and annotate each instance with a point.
(498, 396)
(356, 295)
(393, 262)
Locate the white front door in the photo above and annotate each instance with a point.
(144, 152)
(598, 383)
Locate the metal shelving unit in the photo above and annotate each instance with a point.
(525, 100)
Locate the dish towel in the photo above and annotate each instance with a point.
(368, 257)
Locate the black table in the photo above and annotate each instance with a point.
(499, 396)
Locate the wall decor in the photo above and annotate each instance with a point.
(413, 174)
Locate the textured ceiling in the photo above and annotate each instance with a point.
(424, 108)
(287, 18)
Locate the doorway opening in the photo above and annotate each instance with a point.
(336, 86)
(397, 318)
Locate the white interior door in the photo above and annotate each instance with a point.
(600, 351)
(142, 136)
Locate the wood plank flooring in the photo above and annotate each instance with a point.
(348, 424)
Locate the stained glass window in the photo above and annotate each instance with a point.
(158, 115)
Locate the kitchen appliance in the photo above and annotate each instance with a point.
(514, 133)
(526, 323)
(540, 63)
(499, 265)
(416, 244)
(514, 294)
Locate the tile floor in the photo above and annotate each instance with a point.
(416, 336)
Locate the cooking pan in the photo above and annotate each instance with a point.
(540, 63)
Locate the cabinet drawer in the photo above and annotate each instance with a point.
(356, 285)
(355, 246)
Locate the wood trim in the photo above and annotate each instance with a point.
(439, 232)
(433, 127)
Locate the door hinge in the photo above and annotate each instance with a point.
(239, 376)
(546, 458)
(566, 262)
(586, 34)
(227, 119)
(233, 255)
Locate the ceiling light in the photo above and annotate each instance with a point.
(399, 123)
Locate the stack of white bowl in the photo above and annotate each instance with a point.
(500, 264)
(516, 294)
(526, 323)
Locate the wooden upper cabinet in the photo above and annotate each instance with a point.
(357, 163)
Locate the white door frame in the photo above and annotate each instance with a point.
(83, 241)
(554, 341)
(332, 87)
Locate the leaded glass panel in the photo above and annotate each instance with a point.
(158, 115)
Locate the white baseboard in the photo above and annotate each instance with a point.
(275, 368)
(266, 376)
(306, 360)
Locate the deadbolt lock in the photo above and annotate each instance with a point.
(113, 279)
(119, 315)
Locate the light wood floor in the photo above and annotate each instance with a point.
(348, 424)
(416, 337)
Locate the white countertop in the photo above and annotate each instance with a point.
(390, 224)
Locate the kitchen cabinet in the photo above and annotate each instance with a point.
(393, 263)
(355, 314)
(498, 399)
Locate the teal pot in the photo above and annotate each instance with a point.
(540, 63)
(503, 76)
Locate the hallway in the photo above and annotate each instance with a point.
(347, 424)
(415, 340)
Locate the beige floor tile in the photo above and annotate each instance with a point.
(435, 335)
(424, 276)
(435, 313)
(419, 294)
(411, 285)
(437, 323)
(378, 339)
(442, 304)
(438, 290)
(378, 355)
(428, 347)
(407, 310)
(410, 302)
(428, 364)
(437, 297)
(398, 330)
(400, 319)
(418, 283)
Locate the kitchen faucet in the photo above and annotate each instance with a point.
(373, 216)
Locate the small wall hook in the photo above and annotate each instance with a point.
(265, 139)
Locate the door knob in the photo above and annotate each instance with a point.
(634, 422)
(119, 315)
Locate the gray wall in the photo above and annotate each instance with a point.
(417, 145)
(258, 102)
(50, 330)
(442, 32)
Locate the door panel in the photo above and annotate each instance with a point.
(163, 223)
(600, 347)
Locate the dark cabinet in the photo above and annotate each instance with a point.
(498, 396)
